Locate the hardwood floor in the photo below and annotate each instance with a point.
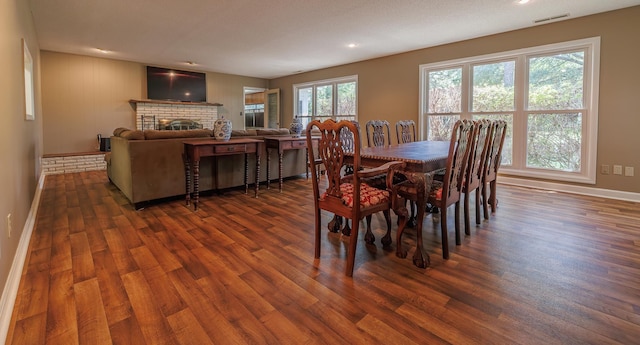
(548, 268)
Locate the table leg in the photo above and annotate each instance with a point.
(246, 174)
(196, 183)
(268, 168)
(420, 257)
(257, 170)
(280, 154)
(187, 175)
(306, 153)
(423, 183)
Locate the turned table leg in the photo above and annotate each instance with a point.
(196, 183)
(187, 175)
(246, 174)
(280, 154)
(257, 170)
(268, 168)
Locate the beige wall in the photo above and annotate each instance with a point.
(20, 143)
(85, 96)
(228, 90)
(388, 87)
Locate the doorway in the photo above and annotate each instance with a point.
(261, 108)
(253, 108)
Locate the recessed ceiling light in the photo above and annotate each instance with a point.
(352, 45)
(522, 2)
(103, 51)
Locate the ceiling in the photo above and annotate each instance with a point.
(273, 38)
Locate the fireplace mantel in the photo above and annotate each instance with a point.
(134, 103)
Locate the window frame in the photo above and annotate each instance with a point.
(314, 85)
(591, 77)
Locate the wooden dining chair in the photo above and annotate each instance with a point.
(446, 192)
(348, 140)
(406, 133)
(497, 134)
(479, 148)
(348, 196)
(378, 133)
(348, 143)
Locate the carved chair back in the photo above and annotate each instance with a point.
(378, 133)
(498, 133)
(479, 148)
(406, 131)
(456, 163)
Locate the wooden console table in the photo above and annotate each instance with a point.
(281, 144)
(196, 149)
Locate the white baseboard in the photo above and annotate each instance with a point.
(574, 189)
(10, 291)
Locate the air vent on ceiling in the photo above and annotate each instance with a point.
(551, 18)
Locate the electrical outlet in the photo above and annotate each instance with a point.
(628, 171)
(9, 225)
(605, 169)
(617, 169)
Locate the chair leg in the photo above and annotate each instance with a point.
(493, 199)
(317, 233)
(445, 235)
(456, 224)
(386, 239)
(411, 221)
(346, 231)
(353, 244)
(335, 224)
(368, 236)
(485, 202)
(467, 221)
(478, 205)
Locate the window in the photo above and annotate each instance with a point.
(548, 95)
(321, 100)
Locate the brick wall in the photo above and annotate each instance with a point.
(205, 114)
(73, 163)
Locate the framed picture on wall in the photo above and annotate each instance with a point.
(28, 83)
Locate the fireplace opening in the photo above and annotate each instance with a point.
(149, 122)
(178, 124)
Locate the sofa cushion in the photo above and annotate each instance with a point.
(187, 133)
(118, 131)
(243, 132)
(273, 131)
(132, 135)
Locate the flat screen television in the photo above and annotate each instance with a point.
(174, 85)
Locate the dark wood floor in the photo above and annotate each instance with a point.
(549, 268)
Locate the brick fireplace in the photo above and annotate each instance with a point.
(150, 112)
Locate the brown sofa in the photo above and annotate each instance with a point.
(148, 165)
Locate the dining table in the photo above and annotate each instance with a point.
(421, 158)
